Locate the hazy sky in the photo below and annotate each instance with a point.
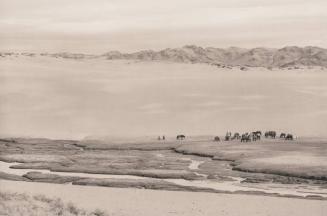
(128, 25)
(53, 98)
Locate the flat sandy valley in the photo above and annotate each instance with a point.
(123, 169)
(79, 98)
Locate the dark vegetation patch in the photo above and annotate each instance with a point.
(51, 178)
(13, 204)
(7, 176)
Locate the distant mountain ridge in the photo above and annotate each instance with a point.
(290, 56)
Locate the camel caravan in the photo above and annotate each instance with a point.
(245, 137)
(253, 136)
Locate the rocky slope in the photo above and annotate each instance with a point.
(291, 56)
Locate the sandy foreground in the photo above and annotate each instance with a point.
(129, 201)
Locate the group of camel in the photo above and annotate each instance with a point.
(245, 137)
(254, 136)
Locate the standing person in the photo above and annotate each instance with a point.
(163, 137)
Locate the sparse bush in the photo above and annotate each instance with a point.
(57, 206)
(73, 209)
(99, 212)
(42, 198)
(5, 196)
(22, 204)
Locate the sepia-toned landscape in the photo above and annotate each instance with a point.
(232, 166)
(158, 108)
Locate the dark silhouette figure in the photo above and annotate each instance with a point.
(289, 137)
(246, 137)
(217, 139)
(270, 134)
(180, 137)
(236, 136)
(256, 135)
(228, 136)
(282, 135)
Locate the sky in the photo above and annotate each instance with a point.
(98, 26)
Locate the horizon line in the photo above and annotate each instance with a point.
(180, 47)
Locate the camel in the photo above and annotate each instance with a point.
(180, 137)
(236, 136)
(246, 137)
(289, 137)
(271, 134)
(256, 135)
(228, 136)
(217, 139)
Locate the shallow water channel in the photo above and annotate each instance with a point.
(234, 185)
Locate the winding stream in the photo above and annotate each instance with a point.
(5, 167)
(229, 186)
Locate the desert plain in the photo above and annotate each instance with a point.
(123, 169)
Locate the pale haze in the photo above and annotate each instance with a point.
(62, 98)
(126, 25)
(66, 98)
